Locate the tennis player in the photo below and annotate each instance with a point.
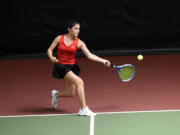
(65, 66)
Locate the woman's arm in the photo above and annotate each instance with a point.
(91, 56)
(51, 48)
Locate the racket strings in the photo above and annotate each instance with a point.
(126, 73)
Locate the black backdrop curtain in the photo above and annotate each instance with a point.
(28, 27)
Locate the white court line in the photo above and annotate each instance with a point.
(96, 113)
(91, 118)
(139, 111)
(92, 125)
(42, 115)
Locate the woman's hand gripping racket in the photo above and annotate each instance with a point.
(125, 72)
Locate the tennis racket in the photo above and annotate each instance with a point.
(125, 72)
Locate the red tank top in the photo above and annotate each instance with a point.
(66, 54)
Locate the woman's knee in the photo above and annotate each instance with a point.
(71, 89)
(72, 78)
(79, 82)
(73, 94)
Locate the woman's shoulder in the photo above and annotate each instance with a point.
(59, 36)
(80, 41)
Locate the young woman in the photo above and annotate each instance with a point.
(65, 66)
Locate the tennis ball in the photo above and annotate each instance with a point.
(140, 57)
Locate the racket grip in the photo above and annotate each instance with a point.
(112, 65)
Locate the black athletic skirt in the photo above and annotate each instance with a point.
(60, 70)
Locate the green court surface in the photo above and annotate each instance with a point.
(144, 123)
(127, 123)
(45, 125)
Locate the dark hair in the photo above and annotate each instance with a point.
(71, 23)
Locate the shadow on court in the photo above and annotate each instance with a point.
(40, 110)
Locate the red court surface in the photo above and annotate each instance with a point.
(25, 86)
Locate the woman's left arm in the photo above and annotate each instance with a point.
(89, 55)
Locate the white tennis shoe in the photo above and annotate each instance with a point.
(86, 112)
(54, 98)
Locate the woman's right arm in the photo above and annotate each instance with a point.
(51, 48)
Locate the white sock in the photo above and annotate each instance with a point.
(84, 108)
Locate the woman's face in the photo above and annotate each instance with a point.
(74, 30)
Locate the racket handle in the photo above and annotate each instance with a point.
(112, 65)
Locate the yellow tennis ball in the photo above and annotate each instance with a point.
(140, 57)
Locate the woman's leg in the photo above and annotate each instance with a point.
(73, 84)
(69, 92)
(74, 81)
